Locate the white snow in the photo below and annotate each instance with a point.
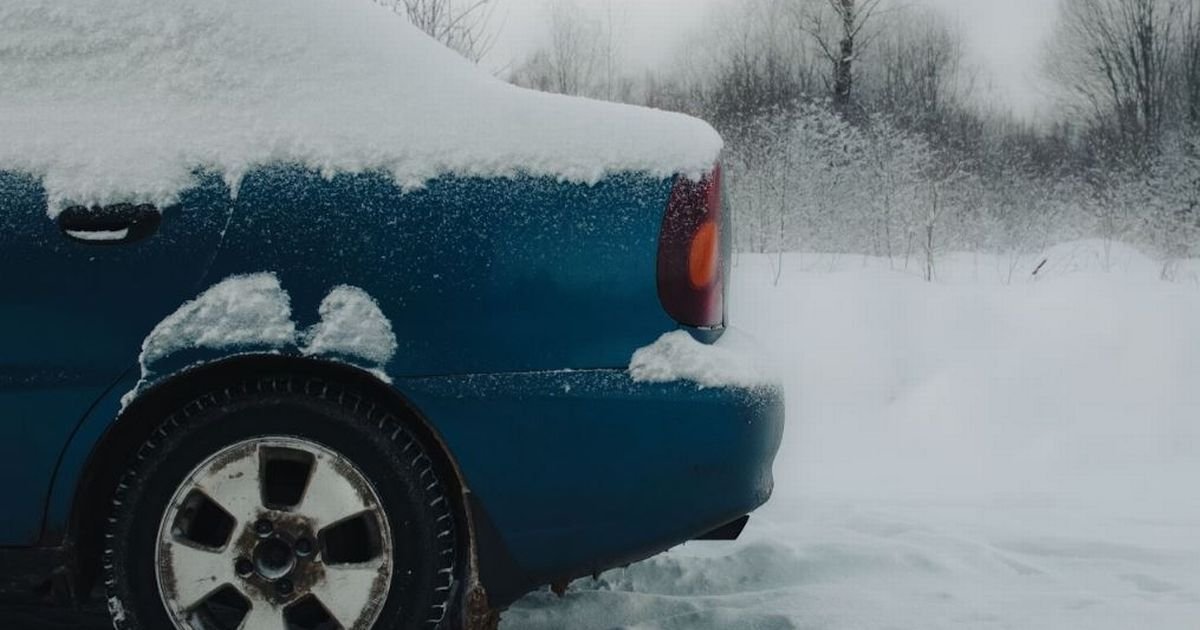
(351, 326)
(972, 453)
(120, 100)
(733, 361)
(254, 313)
(250, 311)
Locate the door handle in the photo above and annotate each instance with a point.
(117, 224)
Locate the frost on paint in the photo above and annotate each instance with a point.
(251, 311)
(733, 361)
(352, 326)
(119, 101)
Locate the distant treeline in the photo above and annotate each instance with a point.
(856, 125)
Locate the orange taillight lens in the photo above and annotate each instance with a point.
(691, 252)
(704, 258)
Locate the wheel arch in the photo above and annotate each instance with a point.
(107, 461)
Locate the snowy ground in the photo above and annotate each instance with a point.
(987, 451)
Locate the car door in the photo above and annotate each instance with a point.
(78, 294)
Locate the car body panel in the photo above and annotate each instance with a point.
(72, 319)
(581, 471)
(475, 275)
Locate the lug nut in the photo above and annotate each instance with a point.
(284, 587)
(304, 547)
(263, 527)
(243, 567)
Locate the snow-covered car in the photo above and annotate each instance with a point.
(307, 322)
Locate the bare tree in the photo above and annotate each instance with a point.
(1114, 58)
(916, 70)
(749, 63)
(1189, 67)
(579, 56)
(463, 25)
(837, 28)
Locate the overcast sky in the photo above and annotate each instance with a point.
(1005, 37)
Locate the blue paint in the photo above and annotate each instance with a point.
(494, 288)
(477, 276)
(72, 320)
(580, 470)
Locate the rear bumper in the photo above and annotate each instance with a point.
(571, 473)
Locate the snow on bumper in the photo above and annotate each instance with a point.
(735, 360)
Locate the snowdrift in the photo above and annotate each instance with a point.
(1077, 381)
(122, 100)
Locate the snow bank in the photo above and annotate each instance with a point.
(833, 565)
(733, 361)
(238, 312)
(352, 326)
(120, 100)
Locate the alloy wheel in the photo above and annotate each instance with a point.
(274, 532)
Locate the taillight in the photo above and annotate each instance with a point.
(690, 247)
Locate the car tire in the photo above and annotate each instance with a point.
(266, 499)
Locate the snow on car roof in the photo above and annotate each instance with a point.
(123, 100)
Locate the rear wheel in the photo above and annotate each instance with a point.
(281, 504)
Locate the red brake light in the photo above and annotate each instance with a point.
(690, 247)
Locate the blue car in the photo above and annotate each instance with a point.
(315, 399)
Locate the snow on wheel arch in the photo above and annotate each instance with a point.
(253, 313)
(238, 312)
(352, 327)
(122, 100)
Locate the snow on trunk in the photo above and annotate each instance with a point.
(121, 100)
